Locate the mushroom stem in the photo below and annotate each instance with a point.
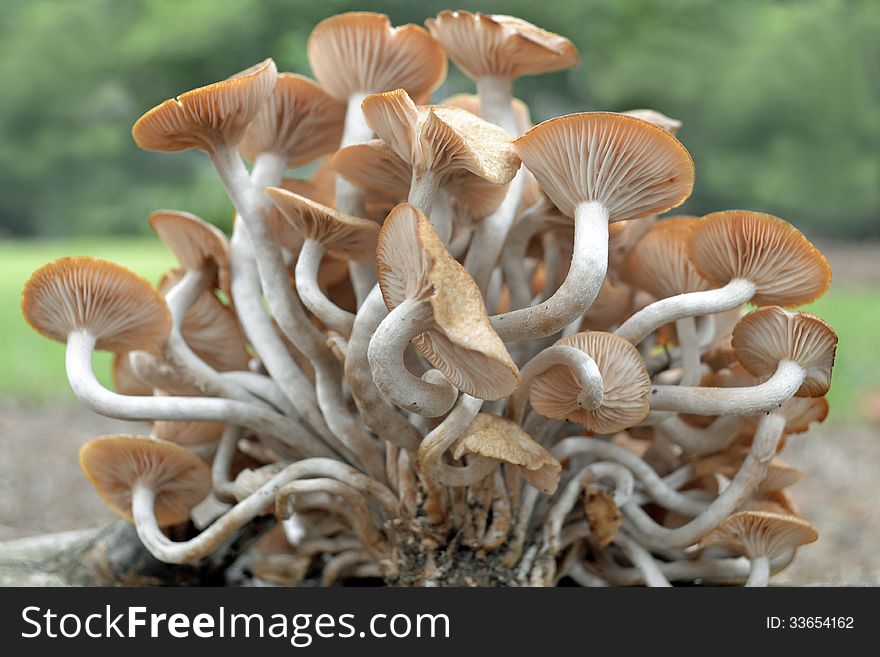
(582, 366)
(690, 304)
(386, 357)
(313, 297)
(643, 560)
(496, 102)
(759, 573)
(589, 262)
(513, 255)
(750, 400)
(87, 388)
(422, 191)
(363, 278)
(160, 546)
(224, 489)
(686, 329)
(695, 441)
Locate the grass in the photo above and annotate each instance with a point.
(32, 367)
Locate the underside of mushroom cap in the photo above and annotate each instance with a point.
(766, 250)
(757, 533)
(413, 263)
(631, 167)
(555, 393)
(299, 121)
(659, 264)
(194, 242)
(343, 234)
(772, 334)
(118, 307)
(503, 46)
(115, 464)
(202, 118)
(360, 52)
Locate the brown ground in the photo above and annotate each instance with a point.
(43, 490)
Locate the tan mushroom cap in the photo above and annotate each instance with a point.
(471, 103)
(500, 46)
(118, 307)
(360, 52)
(626, 383)
(611, 307)
(659, 264)
(500, 439)
(633, 168)
(125, 381)
(208, 116)
(799, 413)
(656, 118)
(299, 121)
(441, 139)
(727, 463)
(343, 234)
(766, 250)
(757, 533)
(772, 334)
(188, 433)
(412, 262)
(282, 230)
(194, 242)
(114, 464)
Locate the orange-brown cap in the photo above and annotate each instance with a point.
(611, 307)
(500, 46)
(772, 334)
(360, 52)
(188, 433)
(119, 308)
(500, 439)
(194, 242)
(343, 234)
(656, 118)
(125, 381)
(633, 168)
(412, 262)
(299, 121)
(625, 381)
(766, 250)
(115, 464)
(208, 116)
(756, 534)
(659, 264)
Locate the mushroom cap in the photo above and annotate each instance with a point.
(633, 168)
(360, 52)
(202, 118)
(656, 118)
(119, 308)
(343, 234)
(500, 439)
(772, 334)
(766, 250)
(759, 533)
(194, 242)
(125, 381)
(441, 139)
(471, 103)
(659, 264)
(317, 190)
(299, 121)
(554, 393)
(188, 432)
(779, 473)
(611, 307)
(412, 262)
(114, 464)
(500, 46)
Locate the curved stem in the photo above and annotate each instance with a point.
(694, 440)
(642, 560)
(589, 262)
(307, 265)
(224, 489)
(363, 277)
(513, 256)
(686, 329)
(759, 574)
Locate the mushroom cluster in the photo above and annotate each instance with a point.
(466, 350)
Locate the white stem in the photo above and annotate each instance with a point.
(513, 256)
(751, 400)
(386, 356)
(313, 297)
(442, 215)
(691, 304)
(694, 440)
(496, 102)
(348, 197)
(759, 574)
(589, 263)
(643, 560)
(422, 191)
(224, 489)
(363, 278)
(686, 329)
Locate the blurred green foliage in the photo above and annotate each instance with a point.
(780, 99)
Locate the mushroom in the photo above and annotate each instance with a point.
(595, 167)
(755, 257)
(762, 537)
(435, 304)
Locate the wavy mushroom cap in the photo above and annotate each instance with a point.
(115, 464)
(471, 103)
(500, 439)
(656, 118)
(343, 234)
(757, 533)
(769, 335)
(444, 140)
(194, 242)
(361, 53)
(633, 168)
(119, 308)
(659, 264)
(766, 250)
(299, 121)
(555, 393)
(500, 46)
(209, 116)
(413, 263)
